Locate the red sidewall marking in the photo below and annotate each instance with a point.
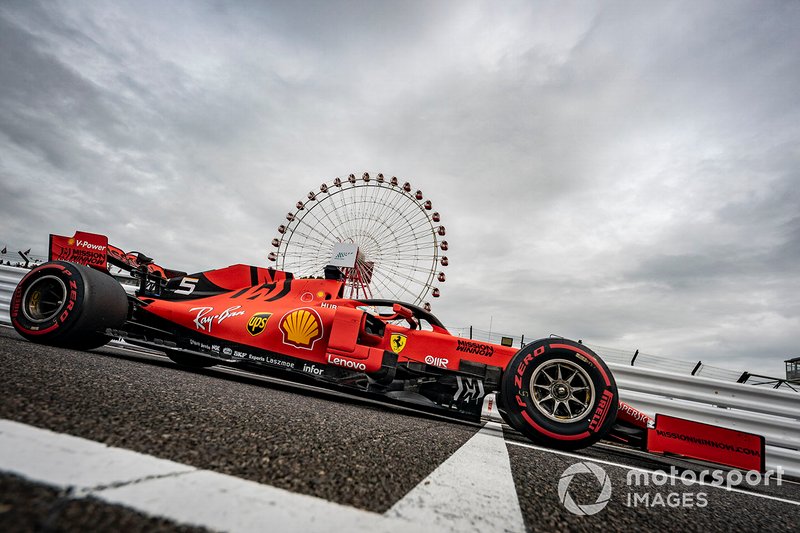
(36, 332)
(73, 287)
(550, 434)
(586, 355)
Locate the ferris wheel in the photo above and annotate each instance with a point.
(384, 237)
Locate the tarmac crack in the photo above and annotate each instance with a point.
(86, 492)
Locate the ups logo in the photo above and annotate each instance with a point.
(257, 323)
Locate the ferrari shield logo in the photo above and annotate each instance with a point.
(398, 342)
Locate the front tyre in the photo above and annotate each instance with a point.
(559, 394)
(502, 409)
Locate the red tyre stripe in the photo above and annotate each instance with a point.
(550, 434)
(36, 332)
(586, 355)
(28, 275)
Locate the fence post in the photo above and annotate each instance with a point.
(697, 367)
(522, 341)
(470, 332)
(634, 357)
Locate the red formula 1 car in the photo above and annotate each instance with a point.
(554, 391)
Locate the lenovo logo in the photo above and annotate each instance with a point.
(346, 363)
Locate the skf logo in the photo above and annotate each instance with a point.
(257, 323)
(301, 328)
(398, 342)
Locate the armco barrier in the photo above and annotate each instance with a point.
(782, 435)
(9, 277)
(710, 391)
(642, 360)
(777, 431)
(775, 414)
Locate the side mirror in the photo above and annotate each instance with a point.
(402, 311)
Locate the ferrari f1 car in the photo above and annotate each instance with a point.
(555, 391)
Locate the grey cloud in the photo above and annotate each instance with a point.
(617, 172)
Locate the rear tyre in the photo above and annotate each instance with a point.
(559, 394)
(68, 305)
(191, 360)
(89, 341)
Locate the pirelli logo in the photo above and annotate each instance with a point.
(601, 412)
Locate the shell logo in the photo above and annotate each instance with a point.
(301, 328)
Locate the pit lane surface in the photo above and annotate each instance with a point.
(357, 455)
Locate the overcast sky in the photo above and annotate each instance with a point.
(627, 173)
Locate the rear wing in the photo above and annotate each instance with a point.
(92, 249)
(83, 248)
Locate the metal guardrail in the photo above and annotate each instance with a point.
(713, 392)
(642, 360)
(776, 383)
(775, 414)
(9, 277)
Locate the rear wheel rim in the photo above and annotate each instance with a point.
(562, 391)
(44, 299)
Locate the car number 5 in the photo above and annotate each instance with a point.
(187, 286)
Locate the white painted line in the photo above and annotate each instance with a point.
(472, 491)
(226, 503)
(666, 474)
(184, 494)
(181, 493)
(65, 461)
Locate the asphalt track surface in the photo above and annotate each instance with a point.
(355, 453)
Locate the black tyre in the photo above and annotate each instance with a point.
(191, 360)
(69, 305)
(559, 394)
(89, 341)
(501, 408)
